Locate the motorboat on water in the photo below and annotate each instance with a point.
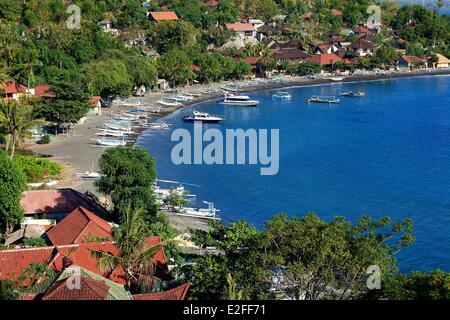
(201, 213)
(238, 100)
(282, 95)
(202, 117)
(324, 99)
(352, 94)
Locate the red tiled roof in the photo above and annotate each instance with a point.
(360, 30)
(336, 13)
(93, 101)
(10, 86)
(306, 15)
(361, 43)
(412, 59)
(89, 289)
(290, 54)
(324, 46)
(212, 3)
(57, 201)
(178, 293)
(78, 225)
(240, 27)
(325, 59)
(28, 295)
(12, 262)
(42, 90)
(164, 15)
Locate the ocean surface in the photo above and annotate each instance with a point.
(387, 154)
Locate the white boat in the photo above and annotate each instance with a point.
(209, 213)
(117, 127)
(164, 193)
(114, 132)
(282, 95)
(235, 100)
(324, 99)
(155, 125)
(192, 94)
(110, 142)
(337, 78)
(129, 104)
(184, 96)
(202, 117)
(89, 175)
(178, 99)
(357, 94)
(169, 104)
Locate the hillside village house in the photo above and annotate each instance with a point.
(57, 204)
(362, 48)
(69, 251)
(159, 16)
(326, 48)
(11, 90)
(243, 33)
(96, 106)
(442, 62)
(411, 62)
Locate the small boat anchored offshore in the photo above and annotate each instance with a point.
(235, 100)
(324, 99)
(282, 95)
(357, 94)
(202, 117)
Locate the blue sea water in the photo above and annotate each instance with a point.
(387, 154)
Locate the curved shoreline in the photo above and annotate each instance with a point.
(297, 83)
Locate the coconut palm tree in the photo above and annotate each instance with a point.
(135, 255)
(16, 121)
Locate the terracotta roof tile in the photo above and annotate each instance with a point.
(78, 225)
(10, 86)
(412, 59)
(43, 90)
(164, 15)
(57, 201)
(325, 59)
(178, 293)
(240, 27)
(12, 262)
(89, 289)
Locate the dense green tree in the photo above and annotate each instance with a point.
(107, 77)
(16, 121)
(317, 259)
(433, 285)
(69, 103)
(12, 184)
(8, 291)
(128, 177)
(384, 56)
(176, 67)
(168, 35)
